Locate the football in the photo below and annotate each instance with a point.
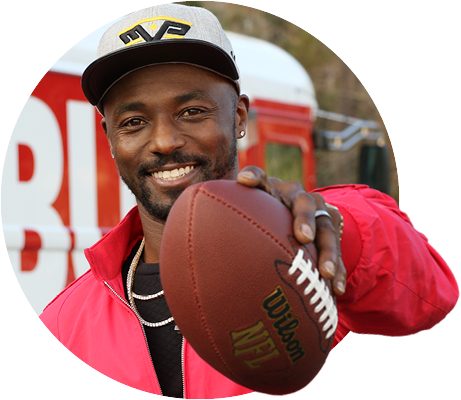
(245, 294)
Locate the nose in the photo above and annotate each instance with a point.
(165, 138)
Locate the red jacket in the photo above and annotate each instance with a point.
(397, 285)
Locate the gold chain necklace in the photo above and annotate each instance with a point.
(132, 296)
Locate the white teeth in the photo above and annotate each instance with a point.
(173, 174)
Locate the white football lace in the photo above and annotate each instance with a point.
(322, 293)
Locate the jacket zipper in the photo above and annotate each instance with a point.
(143, 332)
(182, 368)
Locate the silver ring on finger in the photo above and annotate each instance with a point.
(322, 213)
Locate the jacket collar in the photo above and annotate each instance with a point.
(106, 256)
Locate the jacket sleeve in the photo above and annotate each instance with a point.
(397, 283)
(49, 318)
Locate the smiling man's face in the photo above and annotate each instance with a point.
(170, 126)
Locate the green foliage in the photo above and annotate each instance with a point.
(284, 161)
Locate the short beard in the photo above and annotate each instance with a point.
(160, 211)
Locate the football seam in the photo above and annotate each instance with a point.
(305, 308)
(252, 221)
(195, 288)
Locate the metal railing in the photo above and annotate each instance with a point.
(356, 130)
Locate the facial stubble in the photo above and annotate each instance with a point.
(159, 210)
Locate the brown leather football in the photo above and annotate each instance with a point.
(244, 293)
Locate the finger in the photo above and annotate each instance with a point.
(252, 176)
(327, 246)
(339, 281)
(304, 225)
(336, 218)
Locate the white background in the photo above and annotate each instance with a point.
(406, 54)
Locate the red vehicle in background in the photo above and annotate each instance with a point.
(61, 191)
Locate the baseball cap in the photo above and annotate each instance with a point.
(168, 33)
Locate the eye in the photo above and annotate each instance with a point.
(133, 122)
(192, 112)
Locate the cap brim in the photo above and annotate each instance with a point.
(101, 75)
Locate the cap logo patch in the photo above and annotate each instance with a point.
(171, 28)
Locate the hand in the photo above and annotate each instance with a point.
(323, 231)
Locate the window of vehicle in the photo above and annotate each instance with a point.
(284, 161)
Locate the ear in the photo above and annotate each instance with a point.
(104, 126)
(241, 114)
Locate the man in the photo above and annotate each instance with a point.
(166, 83)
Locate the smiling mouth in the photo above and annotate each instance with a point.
(173, 174)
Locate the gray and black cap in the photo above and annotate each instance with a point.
(169, 33)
